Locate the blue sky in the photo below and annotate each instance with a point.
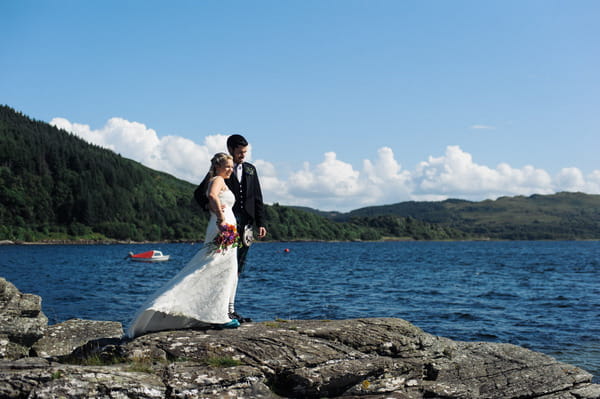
(346, 103)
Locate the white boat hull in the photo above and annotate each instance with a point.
(153, 259)
(149, 256)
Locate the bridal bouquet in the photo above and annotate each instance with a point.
(228, 237)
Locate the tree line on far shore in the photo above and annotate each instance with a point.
(55, 186)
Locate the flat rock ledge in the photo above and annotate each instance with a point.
(358, 358)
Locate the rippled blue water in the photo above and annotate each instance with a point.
(541, 295)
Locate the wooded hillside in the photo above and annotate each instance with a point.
(561, 216)
(55, 186)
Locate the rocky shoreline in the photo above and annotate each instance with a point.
(358, 358)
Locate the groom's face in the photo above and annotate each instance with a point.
(239, 154)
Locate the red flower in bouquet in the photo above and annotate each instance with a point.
(228, 237)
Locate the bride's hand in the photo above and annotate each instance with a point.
(222, 224)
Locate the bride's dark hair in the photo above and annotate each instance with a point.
(218, 160)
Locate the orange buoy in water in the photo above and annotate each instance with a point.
(286, 250)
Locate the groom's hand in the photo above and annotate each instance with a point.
(262, 232)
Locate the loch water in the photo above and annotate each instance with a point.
(544, 296)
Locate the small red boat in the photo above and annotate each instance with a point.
(149, 256)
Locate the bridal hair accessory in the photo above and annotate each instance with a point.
(228, 237)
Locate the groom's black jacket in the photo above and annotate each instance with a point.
(248, 195)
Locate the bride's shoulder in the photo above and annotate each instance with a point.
(219, 183)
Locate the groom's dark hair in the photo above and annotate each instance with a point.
(236, 140)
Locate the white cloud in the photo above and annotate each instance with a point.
(384, 179)
(273, 188)
(183, 158)
(456, 175)
(483, 127)
(570, 179)
(334, 184)
(172, 154)
(593, 183)
(83, 131)
(329, 179)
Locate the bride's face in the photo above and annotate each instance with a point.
(225, 169)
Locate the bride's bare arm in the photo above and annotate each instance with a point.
(214, 203)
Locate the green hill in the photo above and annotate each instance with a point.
(563, 216)
(55, 186)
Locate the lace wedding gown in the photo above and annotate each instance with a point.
(200, 293)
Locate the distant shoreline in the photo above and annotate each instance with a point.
(93, 242)
(127, 242)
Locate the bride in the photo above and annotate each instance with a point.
(203, 292)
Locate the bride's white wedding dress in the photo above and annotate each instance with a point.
(200, 293)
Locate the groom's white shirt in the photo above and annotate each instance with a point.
(238, 172)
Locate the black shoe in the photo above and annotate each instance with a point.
(236, 316)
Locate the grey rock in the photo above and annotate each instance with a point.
(10, 349)
(191, 380)
(22, 321)
(359, 358)
(456, 369)
(64, 338)
(371, 357)
(66, 381)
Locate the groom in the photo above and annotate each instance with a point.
(243, 182)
